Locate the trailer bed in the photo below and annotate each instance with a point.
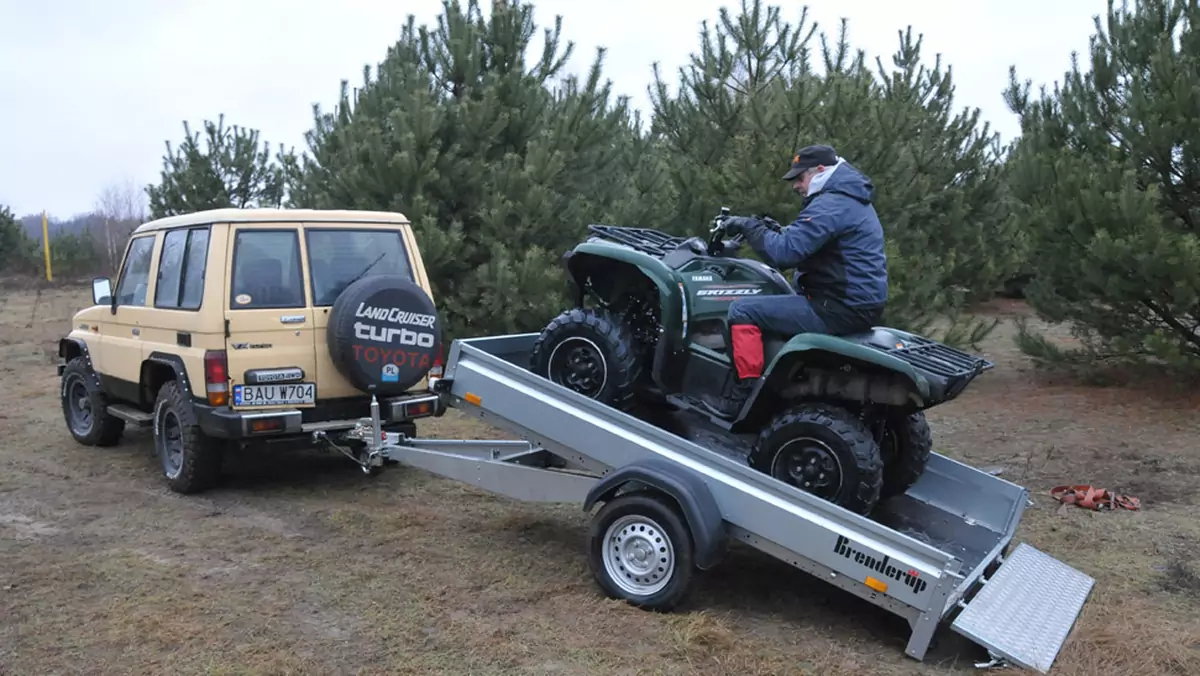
(933, 555)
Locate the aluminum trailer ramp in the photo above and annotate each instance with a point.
(934, 555)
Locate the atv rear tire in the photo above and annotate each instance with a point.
(589, 351)
(824, 450)
(907, 443)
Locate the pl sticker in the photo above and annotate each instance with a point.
(391, 373)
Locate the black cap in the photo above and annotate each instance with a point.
(807, 158)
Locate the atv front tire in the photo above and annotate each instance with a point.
(824, 450)
(590, 351)
(907, 443)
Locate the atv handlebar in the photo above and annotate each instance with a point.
(716, 240)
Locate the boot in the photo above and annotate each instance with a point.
(728, 407)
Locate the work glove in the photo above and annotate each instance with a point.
(747, 225)
(738, 225)
(730, 247)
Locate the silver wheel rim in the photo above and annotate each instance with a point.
(638, 556)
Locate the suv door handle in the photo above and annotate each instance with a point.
(292, 319)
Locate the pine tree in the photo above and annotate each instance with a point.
(232, 171)
(752, 95)
(18, 252)
(1108, 171)
(499, 172)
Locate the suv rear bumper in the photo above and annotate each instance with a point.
(225, 423)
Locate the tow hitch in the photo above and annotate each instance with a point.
(369, 457)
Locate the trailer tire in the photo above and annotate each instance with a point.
(602, 343)
(843, 444)
(640, 550)
(907, 443)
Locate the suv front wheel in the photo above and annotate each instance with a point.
(86, 408)
(191, 461)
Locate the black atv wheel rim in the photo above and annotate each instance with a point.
(810, 465)
(578, 364)
(171, 434)
(79, 406)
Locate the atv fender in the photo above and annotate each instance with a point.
(588, 258)
(585, 256)
(824, 356)
(696, 503)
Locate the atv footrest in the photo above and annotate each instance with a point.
(1025, 611)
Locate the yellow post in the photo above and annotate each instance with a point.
(46, 246)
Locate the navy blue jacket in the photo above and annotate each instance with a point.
(836, 242)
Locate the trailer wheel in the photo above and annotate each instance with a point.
(641, 551)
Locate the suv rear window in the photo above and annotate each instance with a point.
(338, 257)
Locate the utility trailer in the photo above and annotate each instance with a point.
(675, 494)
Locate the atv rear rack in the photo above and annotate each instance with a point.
(936, 555)
(646, 240)
(952, 369)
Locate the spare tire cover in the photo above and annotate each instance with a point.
(384, 334)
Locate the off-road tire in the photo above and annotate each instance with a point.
(904, 462)
(103, 429)
(200, 465)
(853, 446)
(605, 332)
(652, 520)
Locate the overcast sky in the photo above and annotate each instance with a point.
(92, 89)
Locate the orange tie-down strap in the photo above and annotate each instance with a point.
(1093, 498)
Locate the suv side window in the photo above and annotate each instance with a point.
(135, 278)
(266, 270)
(181, 269)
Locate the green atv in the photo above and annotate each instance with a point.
(841, 417)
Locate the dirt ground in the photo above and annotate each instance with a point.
(300, 564)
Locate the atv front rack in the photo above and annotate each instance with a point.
(646, 240)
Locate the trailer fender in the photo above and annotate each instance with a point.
(696, 502)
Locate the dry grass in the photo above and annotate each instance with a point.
(299, 564)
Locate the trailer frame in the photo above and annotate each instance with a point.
(940, 553)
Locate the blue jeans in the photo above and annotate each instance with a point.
(788, 315)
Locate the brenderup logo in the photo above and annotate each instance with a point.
(910, 578)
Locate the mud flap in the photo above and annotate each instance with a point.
(1025, 611)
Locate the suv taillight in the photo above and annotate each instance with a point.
(216, 377)
(435, 371)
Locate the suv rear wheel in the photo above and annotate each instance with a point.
(190, 460)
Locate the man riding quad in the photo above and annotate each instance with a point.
(836, 244)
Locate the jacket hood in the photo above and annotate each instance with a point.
(843, 178)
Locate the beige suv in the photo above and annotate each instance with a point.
(232, 327)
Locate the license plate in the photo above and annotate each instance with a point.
(283, 394)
